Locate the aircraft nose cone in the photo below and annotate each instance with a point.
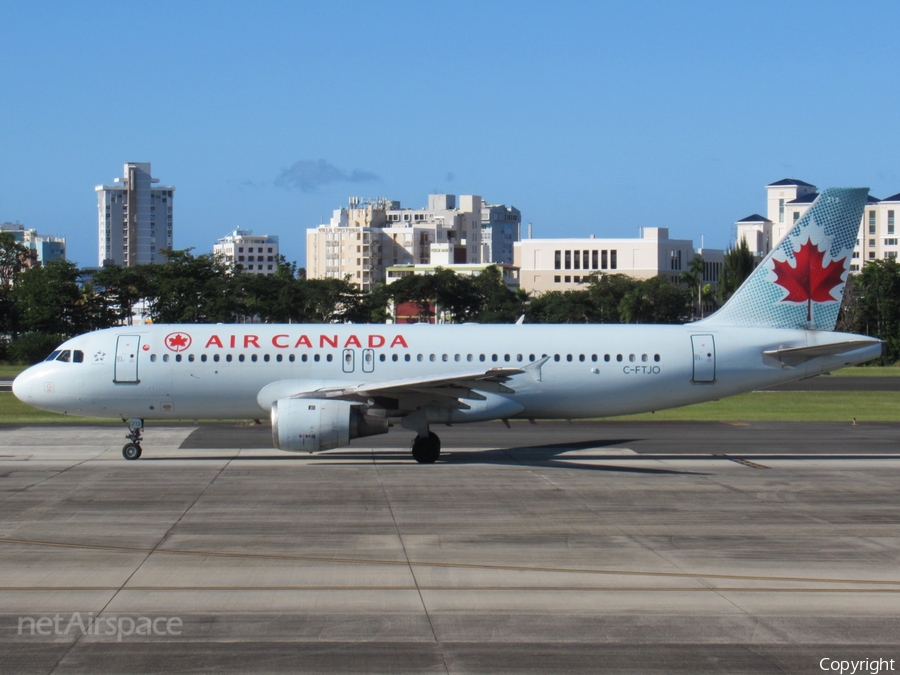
(23, 386)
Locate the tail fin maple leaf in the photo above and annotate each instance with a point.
(810, 280)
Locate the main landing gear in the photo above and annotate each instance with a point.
(132, 449)
(426, 449)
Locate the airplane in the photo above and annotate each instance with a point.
(325, 385)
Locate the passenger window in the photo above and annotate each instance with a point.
(395, 357)
(457, 357)
(178, 358)
(279, 358)
(606, 357)
(407, 357)
(556, 357)
(644, 358)
(506, 357)
(419, 357)
(481, 357)
(618, 357)
(203, 358)
(382, 357)
(568, 357)
(581, 357)
(518, 357)
(78, 356)
(316, 358)
(531, 358)
(432, 358)
(329, 358)
(656, 357)
(445, 357)
(153, 358)
(493, 357)
(165, 358)
(241, 358)
(470, 357)
(266, 358)
(631, 357)
(304, 358)
(593, 357)
(191, 358)
(216, 358)
(228, 358)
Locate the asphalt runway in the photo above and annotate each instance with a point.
(605, 547)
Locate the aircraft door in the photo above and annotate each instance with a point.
(349, 362)
(704, 358)
(368, 364)
(127, 359)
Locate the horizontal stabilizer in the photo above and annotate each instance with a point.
(794, 356)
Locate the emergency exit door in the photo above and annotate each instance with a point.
(704, 358)
(127, 359)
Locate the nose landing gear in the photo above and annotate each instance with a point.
(132, 450)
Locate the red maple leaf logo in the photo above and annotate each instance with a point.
(810, 280)
(178, 342)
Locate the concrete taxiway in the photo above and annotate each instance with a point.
(556, 547)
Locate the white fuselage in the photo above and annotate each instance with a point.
(218, 371)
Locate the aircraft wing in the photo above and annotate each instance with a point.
(442, 391)
(794, 356)
(446, 390)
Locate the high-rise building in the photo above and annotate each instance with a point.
(500, 229)
(255, 254)
(135, 218)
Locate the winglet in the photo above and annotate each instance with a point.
(534, 369)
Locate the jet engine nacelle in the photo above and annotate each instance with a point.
(314, 424)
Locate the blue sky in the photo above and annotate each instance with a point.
(590, 117)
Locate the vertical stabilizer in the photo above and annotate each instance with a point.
(801, 282)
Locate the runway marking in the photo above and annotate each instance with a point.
(451, 565)
(745, 462)
(599, 589)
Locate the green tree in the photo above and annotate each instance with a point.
(606, 292)
(192, 289)
(692, 277)
(49, 300)
(656, 300)
(14, 259)
(878, 312)
(739, 264)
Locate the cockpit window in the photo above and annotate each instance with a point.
(78, 356)
(52, 356)
(64, 355)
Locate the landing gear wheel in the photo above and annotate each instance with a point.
(426, 449)
(131, 451)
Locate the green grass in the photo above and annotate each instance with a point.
(13, 411)
(870, 371)
(10, 372)
(789, 406)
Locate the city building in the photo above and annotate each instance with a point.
(500, 229)
(44, 248)
(567, 264)
(362, 240)
(255, 254)
(442, 256)
(135, 218)
(789, 199)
